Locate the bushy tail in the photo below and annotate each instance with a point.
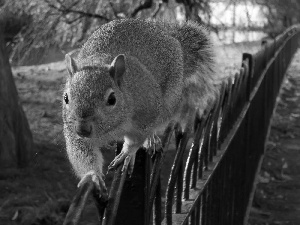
(199, 65)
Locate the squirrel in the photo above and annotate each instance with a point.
(129, 80)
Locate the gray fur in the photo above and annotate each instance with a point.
(169, 73)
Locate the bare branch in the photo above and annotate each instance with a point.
(66, 10)
(87, 14)
(145, 5)
(158, 7)
(74, 4)
(68, 21)
(113, 9)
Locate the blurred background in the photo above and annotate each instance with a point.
(39, 31)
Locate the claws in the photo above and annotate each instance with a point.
(97, 181)
(128, 158)
(153, 144)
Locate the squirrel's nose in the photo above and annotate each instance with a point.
(83, 129)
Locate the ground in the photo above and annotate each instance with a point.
(277, 197)
(41, 193)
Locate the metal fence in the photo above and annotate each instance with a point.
(214, 184)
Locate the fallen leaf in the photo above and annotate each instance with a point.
(266, 174)
(293, 99)
(295, 115)
(285, 165)
(15, 215)
(263, 180)
(286, 177)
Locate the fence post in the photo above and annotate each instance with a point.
(133, 203)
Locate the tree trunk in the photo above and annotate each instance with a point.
(15, 136)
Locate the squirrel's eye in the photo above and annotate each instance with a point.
(111, 100)
(66, 98)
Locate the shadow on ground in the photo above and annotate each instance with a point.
(277, 197)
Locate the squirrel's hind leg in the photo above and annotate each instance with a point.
(187, 117)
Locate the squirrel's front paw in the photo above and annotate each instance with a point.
(128, 157)
(98, 182)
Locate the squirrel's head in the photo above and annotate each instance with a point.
(93, 101)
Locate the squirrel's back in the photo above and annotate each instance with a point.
(164, 48)
(158, 52)
(143, 37)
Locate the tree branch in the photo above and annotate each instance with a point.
(113, 9)
(66, 10)
(87, 14)
(145, 5)
(68, 21)
(158, 7)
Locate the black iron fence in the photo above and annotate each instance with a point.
(214, 184)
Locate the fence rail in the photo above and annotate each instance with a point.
(214, 184)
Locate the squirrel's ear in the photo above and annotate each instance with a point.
(117, 69)
(71, 65)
